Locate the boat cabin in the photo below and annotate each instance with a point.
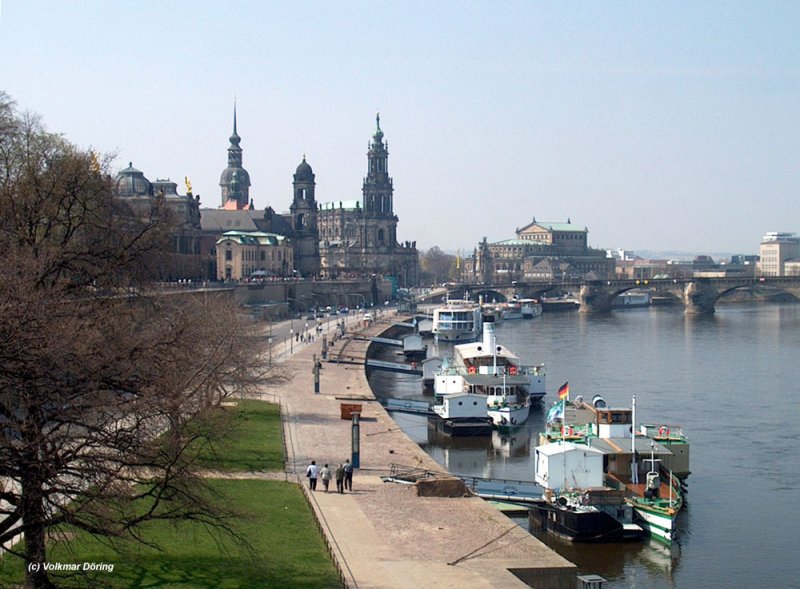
(562, 465)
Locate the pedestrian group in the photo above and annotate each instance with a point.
(343, 474)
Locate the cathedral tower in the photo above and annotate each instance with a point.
(378, 188)
(235, 181)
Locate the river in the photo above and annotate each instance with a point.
(729, 379)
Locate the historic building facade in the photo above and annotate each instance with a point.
(358, 238)
(144, 198)
(253, 254)
(347, 238)
(541, 252)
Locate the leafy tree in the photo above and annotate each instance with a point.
(97, 381)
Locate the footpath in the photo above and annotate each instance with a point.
(383, 535)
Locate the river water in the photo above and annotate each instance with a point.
(731, 380)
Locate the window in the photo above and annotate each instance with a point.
(228, 255)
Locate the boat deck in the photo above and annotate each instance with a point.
(638, 489)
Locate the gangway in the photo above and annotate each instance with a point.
(486, 488)
(394, 366)
(407, 406)
(386, 341)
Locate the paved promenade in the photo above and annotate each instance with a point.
(382, 534)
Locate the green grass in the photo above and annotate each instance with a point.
(251, 437)
(286, 549)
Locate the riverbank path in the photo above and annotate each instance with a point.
(383, 535)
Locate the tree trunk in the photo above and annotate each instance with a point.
(33, 518)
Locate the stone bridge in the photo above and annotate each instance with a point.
(699, 295)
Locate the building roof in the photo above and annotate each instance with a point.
(554, 226)
(131, 182)
(252, 238)
(303, 173)
(221, 220)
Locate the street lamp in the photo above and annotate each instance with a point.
(291, 341)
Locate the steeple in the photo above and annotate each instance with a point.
(235, 181)
(377, 185)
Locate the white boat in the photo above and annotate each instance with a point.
(530, 308)
(457, 321)
(462, 414)
(493, 371)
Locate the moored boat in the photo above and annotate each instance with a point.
(652, 486)
(493, 371)
(457, 321)
(461, 414)
(576, 504)
(530, 308)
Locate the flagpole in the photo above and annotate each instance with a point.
(634, 468)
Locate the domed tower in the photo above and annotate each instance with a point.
(235, 181)
(131, 182)
(304, 221)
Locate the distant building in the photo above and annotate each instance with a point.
(360, 237)
(346, 238)
(253, 254)
(542, 251)
(146, 198)
(775, 251)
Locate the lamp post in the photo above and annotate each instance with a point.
(291, 341)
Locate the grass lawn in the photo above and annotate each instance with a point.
(286, 549)
(252, 437)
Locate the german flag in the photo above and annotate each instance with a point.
(563, 391)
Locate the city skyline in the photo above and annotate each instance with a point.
(658, 127)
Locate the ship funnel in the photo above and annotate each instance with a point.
(598, 402)
(489, 340)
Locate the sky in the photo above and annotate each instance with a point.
(659, 126)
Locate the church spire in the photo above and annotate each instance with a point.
(235, 181)
(235, 139)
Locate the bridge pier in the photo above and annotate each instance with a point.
(595, 298)
(699, 298)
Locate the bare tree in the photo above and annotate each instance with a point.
(437, 266)
(97, 385)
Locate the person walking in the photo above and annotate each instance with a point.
(311, 473)
(325, 474)
(339, 474)
(348, 475)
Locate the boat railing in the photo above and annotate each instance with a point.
(536, 370)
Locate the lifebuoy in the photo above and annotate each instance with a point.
(512, 371)
(567, 431)
(663, 431)
(471, 370)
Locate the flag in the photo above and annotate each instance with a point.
(563, 391)
(556, 412)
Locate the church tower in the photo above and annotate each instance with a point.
(378, 188)
(304, 221)
(235, 181)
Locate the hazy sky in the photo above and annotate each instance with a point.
(657, 125)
